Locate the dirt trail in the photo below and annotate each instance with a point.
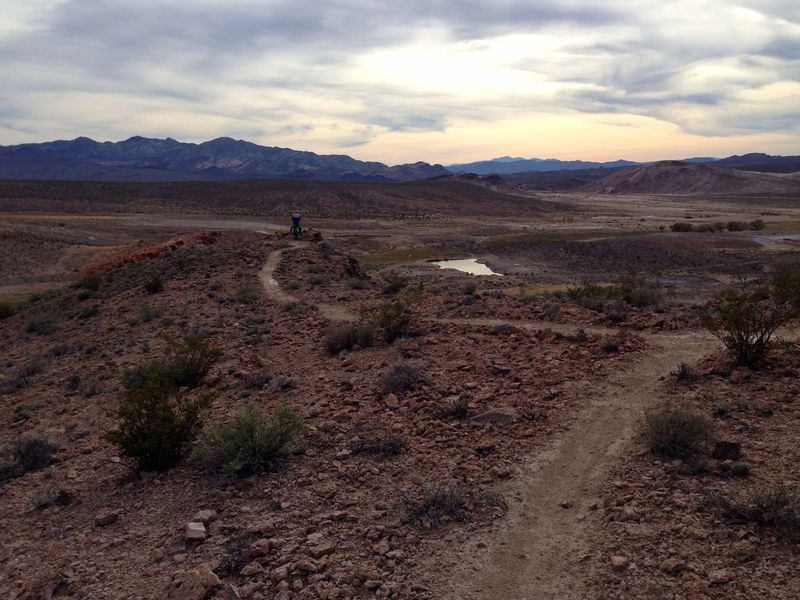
(528, 324)
(273, 289)
(537, 553)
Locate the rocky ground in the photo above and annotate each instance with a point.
(329, 523)
(664, 533)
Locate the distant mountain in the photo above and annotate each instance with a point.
(507, 165)
(676, 177)
(148, 159)
(700, 159)
(757, 161)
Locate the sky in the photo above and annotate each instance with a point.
(442, 81)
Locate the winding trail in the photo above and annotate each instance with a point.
(536, 554)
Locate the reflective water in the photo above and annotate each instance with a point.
(467, 265)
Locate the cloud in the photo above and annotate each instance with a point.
(359, 73)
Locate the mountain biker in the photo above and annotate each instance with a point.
(296, 229)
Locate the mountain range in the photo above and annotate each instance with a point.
(148, 159)
(222, 159)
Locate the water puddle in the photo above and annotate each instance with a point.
(466, 265)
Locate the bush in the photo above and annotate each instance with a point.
(746, 320)
(157, 426)
(393, 319)
(591, 295)
(22, 377)
(385, 445)
(641, 292)
(458, 408)
(247, 295)
(400, 378)
(43, 324)
(737, 226)
(6, 310)
(318, 280)
(777, 507)
(681, 227)
(684, 374)
(393, 282)
(154, 284)
(185, 364)
(757, 224)
(90, 282)
(676, 433)
(430, 505)
(719, 226)
(610, 345)
(347, 336)
(29, 453)
(704, 228)
(251, 443)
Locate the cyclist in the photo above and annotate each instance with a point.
(296, 230)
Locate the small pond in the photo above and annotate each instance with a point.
(467, 265)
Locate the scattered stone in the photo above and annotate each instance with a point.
(194, 584)
(195, 532)
(321, 550)
(673, 566)
(618, 563)
(565, 504)
(719, 576)
(205, 516)
(105, 518)
(503, 415)
(392, 401)
(251, 569)
(727, 451)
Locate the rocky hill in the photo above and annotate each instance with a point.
(147, 159)
(675, 177)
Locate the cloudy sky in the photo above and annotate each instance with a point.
(435, 80)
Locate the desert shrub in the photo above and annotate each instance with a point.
(719, 226)
(88, 312)
(610, 344)
(22, 377)
(740, 469)
(44, 324)
(185, 364)
(251, 442)
(90, 282)
(157, 426)
(777, 507)
(616, 312)
(393, 282)
(684, 374)
(400, 378)
(347, 336)
(318, 280)
(681, 227)
(384, 444)
(356, 283)
(579, 337)
(550, 311)
(757, 224)
(22, 412)
(257, 380)
(430, 505)
(154, 284)
(297, 306)
(746, 320)
(148, 313)
(29, 453)
(393, 319)
(641, 292)
(84, 295)
(676, 433)
(704, 228)
(6, 310)
(247, 295)
(470, 288)
(591, 295)
(737, 226)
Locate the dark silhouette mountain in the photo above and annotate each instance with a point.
(676, 177)
(757, 161)
(507, 165)
(148, 159)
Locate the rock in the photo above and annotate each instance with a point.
(719, 576)
(503, 415)
(279, 574)
(736, 377)
(743, 551)
(381, 547)
(673, 566)
(195, 532)
(230, 593)
(258, 549)
(500, 369)
(306, 565)
(321, 550)
(392, 401)
(105, 518)
(565, 504)
(618, 563)
(205, 516)
(251, 569)
(727, 451)
(194, 584)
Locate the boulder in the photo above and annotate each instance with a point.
(194, 584)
